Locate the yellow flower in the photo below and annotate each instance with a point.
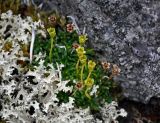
(52, 32)
(80, 51)
(91, 65)
(83, 59)
(89, 82)
(82, 39)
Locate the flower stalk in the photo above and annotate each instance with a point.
(88, 83)
(82, 72)
(51, 49)
(86, 93)
(91, 66)
(77, 65)
(52, 33)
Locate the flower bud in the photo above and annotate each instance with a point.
(52, 32)
(89, 82)
(91, 65)
(83, 59)
(80, 51)
(82, 39)
(70, 28)
(115, 70)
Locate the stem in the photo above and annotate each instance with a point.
(77, 65)
(74, 92)
(89, 74)
(50, 53)
(86, 93)
(82, 73)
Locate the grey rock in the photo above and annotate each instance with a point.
(125, 32)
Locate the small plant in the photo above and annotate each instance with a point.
(91, 87)
(63, 81)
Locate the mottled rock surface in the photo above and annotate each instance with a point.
(125, 32)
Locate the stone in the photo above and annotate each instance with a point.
(121, 30)
(158, 50)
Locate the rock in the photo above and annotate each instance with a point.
(158, 50)
(125, 32)
(139, 112)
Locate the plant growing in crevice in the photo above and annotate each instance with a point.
(62, 81)
(91, 86)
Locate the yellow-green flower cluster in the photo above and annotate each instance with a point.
(89, 82)
(82, 58)
(52, 32)
(91, 65)
(80, 51)
(81, 55)
(82, 39)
